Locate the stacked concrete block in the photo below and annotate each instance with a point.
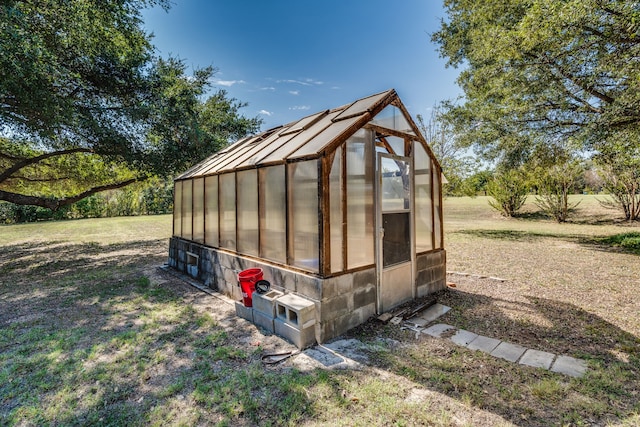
(295, 320)
(244, 312)
(264, 309)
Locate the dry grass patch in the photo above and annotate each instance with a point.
(92, 334)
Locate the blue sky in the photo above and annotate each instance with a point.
(289, 59)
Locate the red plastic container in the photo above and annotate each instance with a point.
(248, 279)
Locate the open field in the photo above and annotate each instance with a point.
(92, 334)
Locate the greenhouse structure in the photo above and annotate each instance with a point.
(341, 210)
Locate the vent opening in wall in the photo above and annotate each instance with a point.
(192, 264)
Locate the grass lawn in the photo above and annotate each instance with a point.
(92, 334)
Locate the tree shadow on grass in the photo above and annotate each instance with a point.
(605, 243)
(87, 339)
(527, 396)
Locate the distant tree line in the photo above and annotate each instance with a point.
(153, 197)
(551, 101)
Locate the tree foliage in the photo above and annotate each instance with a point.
(509, 189)
(544, 70)
(456, 164)
(620, 174)
(555, 183)
(81, 89)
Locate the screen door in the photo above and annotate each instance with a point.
(395, 234)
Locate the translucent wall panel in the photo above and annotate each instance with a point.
(395, 184)
(335, 212)
(211, 236)
(177, 208)
(303, 214)
(392, 118)
(228, 211)
(247, 195)
(273, 214)
(360, 208)
(423, 207)
(198, 210)
(397, 144)
(437, 208)
(187, 186)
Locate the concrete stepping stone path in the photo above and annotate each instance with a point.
(561, 364)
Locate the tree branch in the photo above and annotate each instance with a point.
(32, 160)
(55, 204)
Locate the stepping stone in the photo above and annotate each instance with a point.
(537, 359)
(433, 312)
(463, 337)
(418, 322)
(437, 330)
(569, 366)
(483, 343)
(508, 351)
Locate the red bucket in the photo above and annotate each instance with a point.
(248, 279)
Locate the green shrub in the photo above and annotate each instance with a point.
(509, 190)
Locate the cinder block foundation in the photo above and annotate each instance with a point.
(330, 306)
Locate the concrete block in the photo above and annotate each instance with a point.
(337, 306)
(364, 278)
(463, 338)
(244, 312)
(482, 343)
(421, 262)
(301, 338)
(569, 366)
(265, 321)
(438, 330)
(338, 285)
(508, 351)
(295, 310)
(265, 303)
(433, 312)
(230, 275)
(309, 287)
(537, 359)
(364, 296)
(288, 281)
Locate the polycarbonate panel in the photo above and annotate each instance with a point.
(187, 209)
(391, 117)
(362, 106)
(437, 212)
(247, 189)
(211, 236)
(360, 208)
(335, 212)
(227, 188)
(258, 151)
(395, 179)
(273, 212)
(397, 144)
(303, 214)
(198, 210)
(177, 208)
(318, 143)
(298, 140)
(304, 123)
(423, 202)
